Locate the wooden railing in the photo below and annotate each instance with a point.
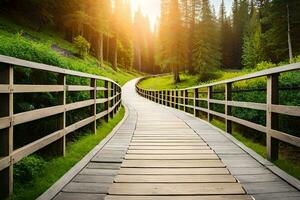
(188, 100)
(111, 102)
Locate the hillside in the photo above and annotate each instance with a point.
(49, 47)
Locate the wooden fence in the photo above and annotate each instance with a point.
(8, 119)
(189, 100)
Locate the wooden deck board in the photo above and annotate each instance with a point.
(172, 157)
(173, 151)
(174, 171)
(175, 189)
(172, 163)
(212, 197)
(174, 179)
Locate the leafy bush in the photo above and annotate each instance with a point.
(27, 168)
(82, 45)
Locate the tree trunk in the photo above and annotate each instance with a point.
(176, 74)
(191, 37)
(115, 61)
(139, 58)
(289, 35)
(101, 48)
(107, 48)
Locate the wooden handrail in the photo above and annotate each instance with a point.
(8, 119)
(180, 99)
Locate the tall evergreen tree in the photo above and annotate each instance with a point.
(240, 17)
(252, 47)
(171, 41)
(206, 55)
(226, 38)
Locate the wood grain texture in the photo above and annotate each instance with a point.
(175, 189)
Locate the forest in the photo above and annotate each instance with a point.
(192, 42)
(190, 36)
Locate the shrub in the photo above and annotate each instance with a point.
(82, 45)
(27, 168)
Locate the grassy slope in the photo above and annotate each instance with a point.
(57, 167)
(166, 82)
(38, 49)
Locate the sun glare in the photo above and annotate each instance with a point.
(150, 8)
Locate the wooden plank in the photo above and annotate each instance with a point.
(37, 88)
(168, 144)
(173, 171)
(163, 137)
(251, 105)
(76, 88)
(211, 197)
(4, 122)
(4, 162)
(248, 124)
(4, 88)
(93, 179)
(182, 147)
(175, 151)
(79, 196)
(286, 110)
(99, 172)
(176, 189)
(37, 114)
(91, 188)
(290, 139)
(172, 157)
(80, 104)
(167, 141)
(172, 163)
(174, 179)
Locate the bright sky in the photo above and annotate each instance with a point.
(152, 8)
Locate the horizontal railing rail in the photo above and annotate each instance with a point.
(110, 100)
(188, 99)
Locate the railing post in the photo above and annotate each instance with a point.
(209, 96)
(111, 103)
(176, 99)
(228, 97)
(160, 97)
(60, 145)
(93, 95)
(186, 101)
(164, 98)
(272, 118)
(196, 96)
(173, 98)
(106, 96)
(115, 99)
(182, 100)
(6, 135)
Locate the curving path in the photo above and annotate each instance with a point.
(160, 153)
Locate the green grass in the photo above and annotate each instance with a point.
(285, 164)
(57, 167)
(187, 80)
(15, 45)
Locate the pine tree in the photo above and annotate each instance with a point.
(252, 48)
(240, 16)
(206, 55)
(171, 42)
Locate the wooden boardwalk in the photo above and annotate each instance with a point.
(160, 153)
